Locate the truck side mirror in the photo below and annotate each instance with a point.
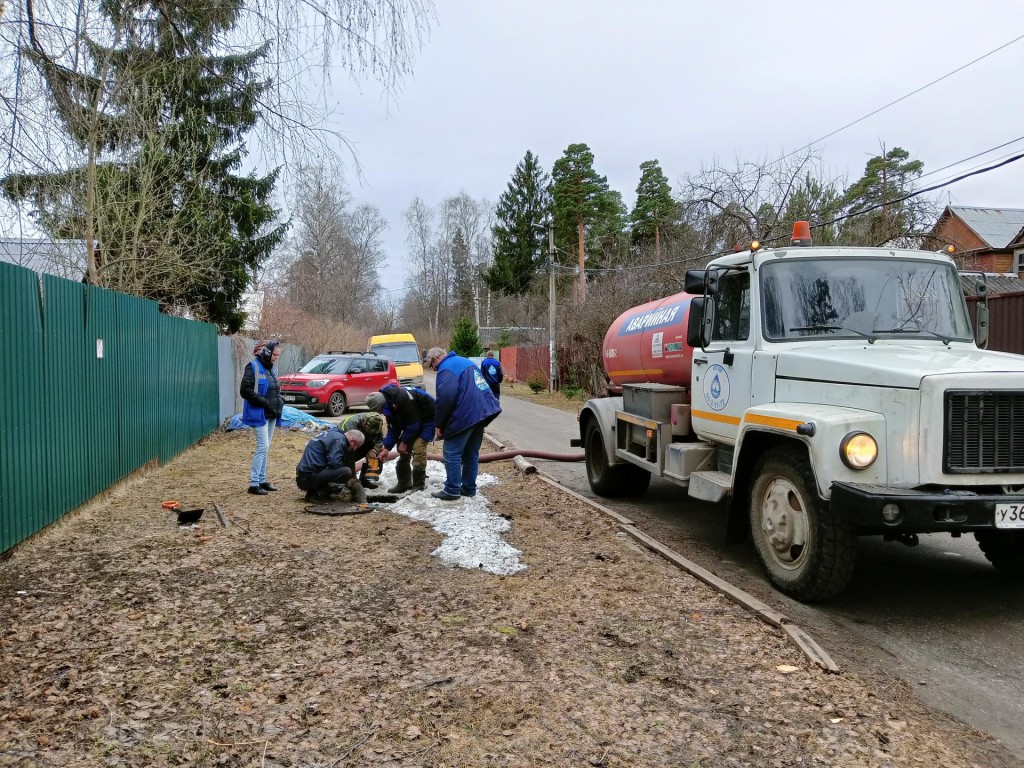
(700, 322)
(981, 316)
(701, 281)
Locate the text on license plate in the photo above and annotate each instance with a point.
(1009, 515)
(289, 398)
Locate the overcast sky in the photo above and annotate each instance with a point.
(687, 83)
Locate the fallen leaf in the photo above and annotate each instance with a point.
(835, 720)
(135, 616)
(787, 668)
(412, 732)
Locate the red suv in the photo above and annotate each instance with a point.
(336, 380)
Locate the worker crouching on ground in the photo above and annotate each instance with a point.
(373, 426)
(465, 405)
(321, 472)
(410, 415)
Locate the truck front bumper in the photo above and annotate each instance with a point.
(919, 511)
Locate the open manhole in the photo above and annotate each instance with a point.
(374, 501)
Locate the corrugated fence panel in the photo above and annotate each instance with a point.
(138, 341)
(102, 371)
(1005, 321)
(24, 433)
(67, 383)
(188, 399)
(95, 385)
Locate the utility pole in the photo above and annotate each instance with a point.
(551, 307)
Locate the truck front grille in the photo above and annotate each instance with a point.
(984, 431)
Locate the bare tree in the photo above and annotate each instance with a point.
(336, 251)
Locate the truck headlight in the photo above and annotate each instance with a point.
(858, 450)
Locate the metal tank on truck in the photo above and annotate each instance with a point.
(648, 343)
(821, 394)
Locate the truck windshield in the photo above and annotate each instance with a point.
(834, 298)
(398, 352)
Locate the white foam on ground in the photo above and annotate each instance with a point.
(472, 530)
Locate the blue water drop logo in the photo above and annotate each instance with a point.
(716, 387)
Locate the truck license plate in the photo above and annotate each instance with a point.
(1009, 515)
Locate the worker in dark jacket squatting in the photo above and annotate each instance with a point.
(465, 405)
(321, 472)
(410, 415)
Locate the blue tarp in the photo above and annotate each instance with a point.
(291, 418)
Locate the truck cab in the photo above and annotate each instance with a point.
(833, 392)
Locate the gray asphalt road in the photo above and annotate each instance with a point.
(938, 615)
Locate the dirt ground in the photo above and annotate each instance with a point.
(289, 639)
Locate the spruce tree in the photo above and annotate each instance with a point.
(159, 115)
(465, 339)
(462, 288)
(520, 242)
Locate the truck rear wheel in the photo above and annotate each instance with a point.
(807, 550)
(1004, 549)
(606, 479)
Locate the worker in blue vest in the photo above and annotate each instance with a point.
(465, 405)
(261, 409)
(493, 375)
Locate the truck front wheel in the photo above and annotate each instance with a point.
(807, 550)
(1004, 549)
(607, 479)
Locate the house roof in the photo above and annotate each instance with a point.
(997, 227)
(997, 283)
(64, 258)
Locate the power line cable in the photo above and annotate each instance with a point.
(901, 98)
(972, 157)
(819, 225)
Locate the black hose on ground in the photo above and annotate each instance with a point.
(525, 452)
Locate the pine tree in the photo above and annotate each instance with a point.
(654, 208)
(465, 339)
(160, 116)
(579, 197)
(886, 178)
(520, 242)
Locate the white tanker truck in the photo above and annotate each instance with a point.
(822, 393)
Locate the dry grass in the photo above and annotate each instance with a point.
(290, 639)
(559, 400)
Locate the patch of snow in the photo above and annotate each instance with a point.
(472, 530)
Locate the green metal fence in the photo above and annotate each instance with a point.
(93, 385)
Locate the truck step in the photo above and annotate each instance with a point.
(708, 485)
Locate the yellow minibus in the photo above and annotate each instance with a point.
(402, 349)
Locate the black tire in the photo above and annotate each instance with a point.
(1004, 549)
(610, 480)
(336, 404)
(807, 550)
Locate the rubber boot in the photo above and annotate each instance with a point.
(419, 479)
(358, 494)
(404, 474)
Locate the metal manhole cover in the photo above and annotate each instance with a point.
(340, 508)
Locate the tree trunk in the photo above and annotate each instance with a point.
(581, 290)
